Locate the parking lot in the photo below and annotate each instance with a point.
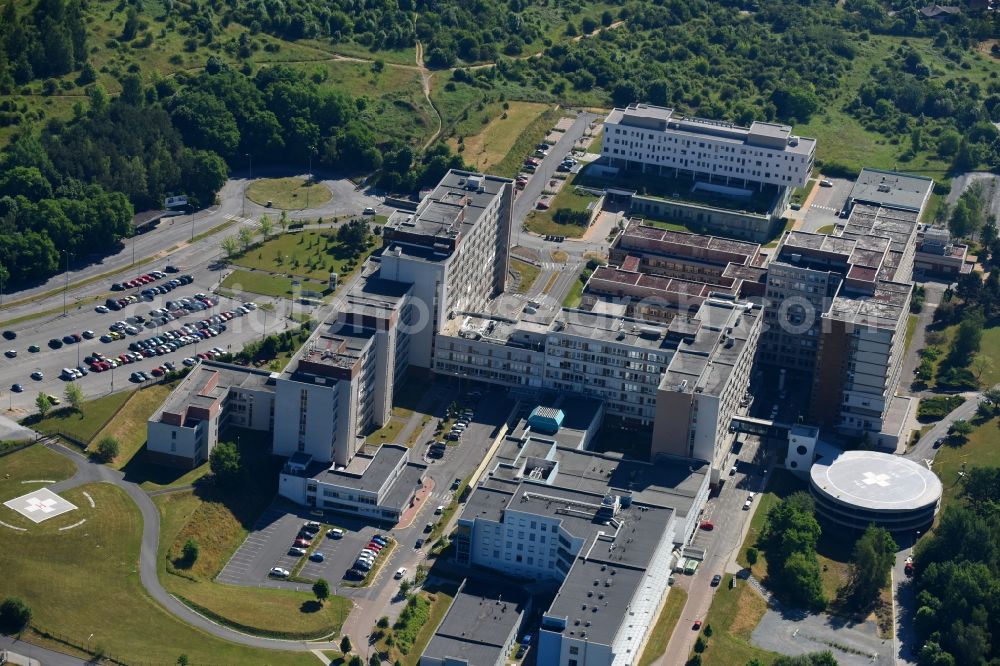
(267, 546)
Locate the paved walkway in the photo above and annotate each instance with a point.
(34, 655)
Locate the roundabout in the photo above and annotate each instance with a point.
(293, 193)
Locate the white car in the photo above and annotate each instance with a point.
(103, 309)
(439, 510)
(747, 505)
(400, 572)
(278, 572)
(335, 533)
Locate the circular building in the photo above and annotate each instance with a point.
(860, 487)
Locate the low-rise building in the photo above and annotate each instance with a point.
(186, 427)
(378, 483)
(938, 256)
(480, 628)
(605, 529)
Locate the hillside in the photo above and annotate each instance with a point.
(198, 88)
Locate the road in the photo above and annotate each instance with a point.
(199, 259)
(731, 524)
(826, 203)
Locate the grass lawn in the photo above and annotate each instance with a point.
(989, 347)
(827, 229)
(219, 521)
(288, 193)
(84, 581)
(414, 630)
(981, 450)
(259, 282)
(30, 464)
(911, 329)
(528, 272)
(664, 627)
(665, 224)
(734, 615)
(525, 144)
(801, 193)
(575, 293)
(489, 147)
(84, 425)
(387, 434)
(542, 222)
(129, 425)
(307, 254)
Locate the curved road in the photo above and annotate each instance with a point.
(89, 472)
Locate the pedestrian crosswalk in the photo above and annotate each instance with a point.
(829, 208)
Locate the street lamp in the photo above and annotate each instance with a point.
(66, 287)
(249, 178)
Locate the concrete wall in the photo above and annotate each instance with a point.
(730, 223)
(185, 444)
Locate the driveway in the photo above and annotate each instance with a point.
(826, 203)
(852, 644)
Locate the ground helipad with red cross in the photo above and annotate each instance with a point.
(39, 505)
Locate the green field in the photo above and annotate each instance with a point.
(84, 425)
(84, 582)
(664, 627)
(734, 615)
(981, 450)
(428, 609)
(494, 141)
(528, 272)
(307, 254)
(129, 425)
(292, 193)
(542, 222)
(31, 464)
(524, 144)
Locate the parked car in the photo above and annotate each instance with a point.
(9, 335)
(707, 525)
(305, 543)
(278, 572)
(317, 557)
(369, 211)
(312, 526)
(335, 533)
(16, 388)
(400, 572)
(10, 353)
(439, 510)
(297, 551)
(37, 375)
(716, 579)
(826, 182)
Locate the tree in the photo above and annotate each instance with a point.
(968, 338)
(981, 488)
(107, 449)
(752, 555)
(960, 430)
(404, 587)
(266, 226)
(15, 615)
(321, 589)
(74, 396)
(375, 660)
(245, 237)
(356, 661)
(801, 579)
(183, 660)
(283, 221)
(189, 554)
(44, 405)
(225, 464)
(131, 24)
(354, 236)
(872, 559)
(231, 246)
(345, 644)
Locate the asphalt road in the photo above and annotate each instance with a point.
(39, 655)
(826, 203)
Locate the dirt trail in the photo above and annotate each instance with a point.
(425, 81)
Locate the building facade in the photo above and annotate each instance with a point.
(185, 429)
(453, 250)
(659, 140)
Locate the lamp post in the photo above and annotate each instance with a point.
(133, 247)
(249, 178)
(66, 286)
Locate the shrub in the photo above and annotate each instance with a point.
(189, 554)
(15, 615)
(108, 448)
(752, 555)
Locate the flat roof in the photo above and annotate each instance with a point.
(479, 621)
(892, 189)
(443, 217)
(706, 363)
(366, 471)
(195, 391)
(882, 308)
(875, 481)
(761, 134)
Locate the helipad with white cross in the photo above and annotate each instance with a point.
(860, 487)
(39, 505)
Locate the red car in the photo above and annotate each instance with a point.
(156, 372)
(697, 625)
(303, 543)
(707, 525)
